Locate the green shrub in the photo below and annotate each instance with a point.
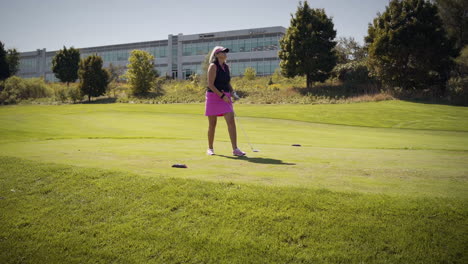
(178, 91)
(270, 82)
(37, 88)
(458, 90)
(274, 89)
(250, 73)
(61, 94)
(74, 93)
(355, 72)
(277, 76)
(12, 91)
(17, 89)
(458, 84)
(158, 83)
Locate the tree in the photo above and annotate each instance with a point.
(115, 77)
(408, 46)
(65, 65)
(4, 68)
(348, 49)
(115, 72)
(307, 48)
(13, 60)
(93, 78)
(458, 83)
(462, 63)
(454, 14)
(250, 73)
(9, 62)
(141, 73)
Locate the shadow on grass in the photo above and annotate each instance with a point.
(109, 100)
(432, 101)
(258, 160)
(339, 90)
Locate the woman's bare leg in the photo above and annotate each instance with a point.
(231, 123)
(211, 130)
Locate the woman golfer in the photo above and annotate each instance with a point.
(218, 99)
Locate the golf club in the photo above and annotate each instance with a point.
(237, 121)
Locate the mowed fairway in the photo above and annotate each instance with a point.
(378, 182)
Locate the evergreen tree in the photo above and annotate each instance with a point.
(4, 68)
(408, 46)
(93, 78)
(65, 65)
(307, 48)
(13, 60)
(454, 15)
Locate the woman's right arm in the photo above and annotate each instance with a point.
(211, 79)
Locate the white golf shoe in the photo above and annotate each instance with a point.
(210, 152)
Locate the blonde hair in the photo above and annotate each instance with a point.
(213, 58)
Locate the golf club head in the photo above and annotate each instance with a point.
(255, 150)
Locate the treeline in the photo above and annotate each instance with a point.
(93, 79)
(413, 47)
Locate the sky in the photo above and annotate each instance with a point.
(28, 25)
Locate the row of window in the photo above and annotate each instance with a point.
(50, 77)
(49, 62)
(238, 68)
(239, 45)
(107, 56)
(261, 67)
(28, 65)
(236, 45)
(124, 54)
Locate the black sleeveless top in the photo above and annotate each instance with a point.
(222, 79)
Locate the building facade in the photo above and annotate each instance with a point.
(178, 56)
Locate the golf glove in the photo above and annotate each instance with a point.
(235, 96)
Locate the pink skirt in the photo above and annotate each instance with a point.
(215, 106)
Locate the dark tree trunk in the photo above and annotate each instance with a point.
(308, 81)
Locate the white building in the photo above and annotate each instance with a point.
(180, 55)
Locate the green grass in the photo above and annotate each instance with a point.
(60, 213)
(378, 182)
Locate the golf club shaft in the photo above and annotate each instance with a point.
(237, 121)
(245, 134)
